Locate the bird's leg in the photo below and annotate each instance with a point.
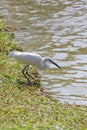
(25, 75)
(34, 78)
(28, 68)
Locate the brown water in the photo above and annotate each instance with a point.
(55, 28)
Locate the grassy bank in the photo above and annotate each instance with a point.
(24, 107)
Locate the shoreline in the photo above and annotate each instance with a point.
(24, 107)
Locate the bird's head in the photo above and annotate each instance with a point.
(48, 59)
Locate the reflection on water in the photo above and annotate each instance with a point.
(57, 29)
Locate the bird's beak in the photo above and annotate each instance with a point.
(55, 64)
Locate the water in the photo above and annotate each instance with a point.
(57, 29)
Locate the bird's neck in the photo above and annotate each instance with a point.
(43, 64)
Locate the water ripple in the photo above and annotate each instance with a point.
(57, 29)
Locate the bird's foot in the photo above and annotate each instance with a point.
(26, 83)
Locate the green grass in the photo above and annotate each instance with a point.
(24, 107)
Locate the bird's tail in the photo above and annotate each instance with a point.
(12, 53)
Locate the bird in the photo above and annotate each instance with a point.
(31, 59)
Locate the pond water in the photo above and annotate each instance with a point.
(58, 29)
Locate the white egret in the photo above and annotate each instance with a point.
(31, 59)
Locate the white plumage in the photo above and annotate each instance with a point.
(26, 57)
(31, 59)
